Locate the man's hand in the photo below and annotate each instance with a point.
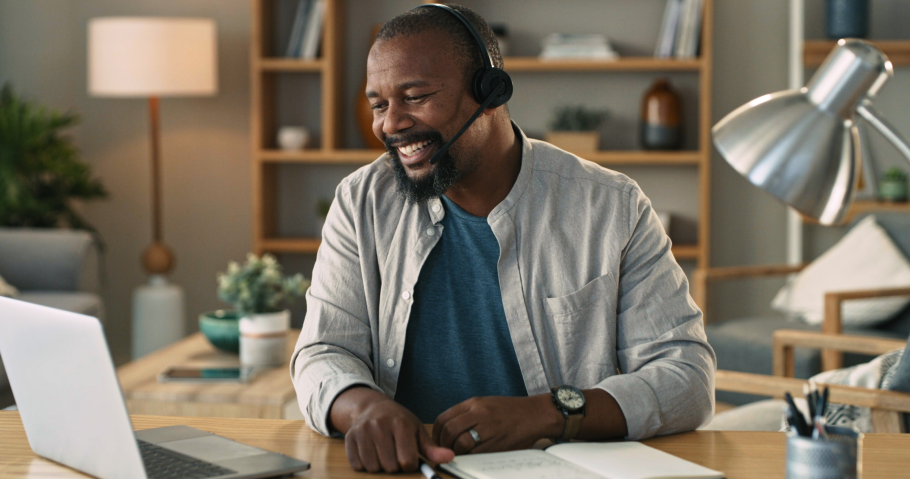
(382, 435)
(508, 423)
(503, 423)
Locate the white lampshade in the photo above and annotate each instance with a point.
(147, 56)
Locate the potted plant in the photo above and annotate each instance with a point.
(893, 186)
(574, 129)
(260, 294)
(40, 170)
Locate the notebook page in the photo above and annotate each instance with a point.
(630, 460)
(527, 464)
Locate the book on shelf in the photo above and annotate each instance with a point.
(306, 31)
(310, 47)
(689, 29)
(577, 46)
(579, 460)
(297, 30)
(680, 29)
(666, 39)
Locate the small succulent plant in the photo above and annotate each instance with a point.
(258, 286)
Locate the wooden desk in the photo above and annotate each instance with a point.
(740, 455)
(270, 395)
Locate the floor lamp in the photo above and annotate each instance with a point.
(147, 57)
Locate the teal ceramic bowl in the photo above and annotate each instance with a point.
(222, 329)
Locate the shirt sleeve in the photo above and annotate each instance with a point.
(335, 347)
(667, 368)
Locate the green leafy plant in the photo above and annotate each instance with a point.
(576, 118)
(258, 286)
(322, 207)
(40, 170)
(895, 174)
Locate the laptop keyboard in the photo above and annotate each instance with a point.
(161, 463)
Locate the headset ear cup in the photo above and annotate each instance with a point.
(486, 80)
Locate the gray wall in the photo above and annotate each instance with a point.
(205, 141)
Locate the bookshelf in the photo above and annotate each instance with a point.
(266, 158)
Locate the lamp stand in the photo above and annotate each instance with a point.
(158, 307)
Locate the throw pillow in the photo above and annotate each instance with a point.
(865, 258)
(876, 374)
(7, 289)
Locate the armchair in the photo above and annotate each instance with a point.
(887, 407)
(745, 344)
(51, 267)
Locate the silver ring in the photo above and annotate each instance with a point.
(475, 436)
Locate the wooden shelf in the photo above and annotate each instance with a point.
(290, 65)
(815, 51)
(644, 158)
(862, 207)
(685, 251)
(535, 64)
(311, 245)
(290, 245)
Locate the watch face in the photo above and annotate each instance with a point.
(570, 398)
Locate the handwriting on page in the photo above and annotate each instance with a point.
(531, 464)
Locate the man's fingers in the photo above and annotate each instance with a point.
(406, 445)
(431, 451)
(386, 451)
(350, 447)
(451, 429)
(464, 444)
(445, 417)
(368, 456)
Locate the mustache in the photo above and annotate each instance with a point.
(393, 142)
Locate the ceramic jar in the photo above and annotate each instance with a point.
(263, 338)
(661, 114)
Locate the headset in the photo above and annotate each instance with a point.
(491, 86)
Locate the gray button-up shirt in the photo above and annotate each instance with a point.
(592, 294)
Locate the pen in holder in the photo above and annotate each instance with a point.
(833, 457)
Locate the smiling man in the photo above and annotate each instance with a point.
(508, 292)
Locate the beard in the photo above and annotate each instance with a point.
(431, 185)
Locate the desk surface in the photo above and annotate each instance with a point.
(739, 455)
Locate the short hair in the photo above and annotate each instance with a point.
(465, 48)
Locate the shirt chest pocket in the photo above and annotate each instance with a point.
(582, 328)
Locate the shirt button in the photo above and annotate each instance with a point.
(431, 231)
(390, 362)
(406, 295)
(435, 208)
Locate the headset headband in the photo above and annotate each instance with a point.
(484, 54)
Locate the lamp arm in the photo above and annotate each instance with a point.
(867, 111)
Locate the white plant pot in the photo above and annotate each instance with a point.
(263, 339)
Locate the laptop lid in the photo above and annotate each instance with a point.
(66, 390)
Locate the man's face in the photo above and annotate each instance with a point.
(419, 95)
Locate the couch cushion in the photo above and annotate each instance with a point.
(745, 345)
(82, 303)
(865, 258)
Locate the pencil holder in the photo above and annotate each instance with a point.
(831, 458)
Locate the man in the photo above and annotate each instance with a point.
(461, 292)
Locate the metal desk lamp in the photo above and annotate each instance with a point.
(803, 146)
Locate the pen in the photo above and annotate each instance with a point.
(824, 407)
(428, 471)
(796, 417)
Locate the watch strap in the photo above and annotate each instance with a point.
(573, 423)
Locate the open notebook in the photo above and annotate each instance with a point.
(580, 460)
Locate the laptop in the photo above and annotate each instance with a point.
(73, 411)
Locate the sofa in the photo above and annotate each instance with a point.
(745, 344)
(51, 267)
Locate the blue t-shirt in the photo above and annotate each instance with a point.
(458, 344)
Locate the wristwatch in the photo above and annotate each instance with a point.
(571, 402)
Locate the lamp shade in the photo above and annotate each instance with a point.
(147, 56)
(802, 146)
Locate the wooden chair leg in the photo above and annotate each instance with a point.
(783, 361)
(891, 422)
(832, 324)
